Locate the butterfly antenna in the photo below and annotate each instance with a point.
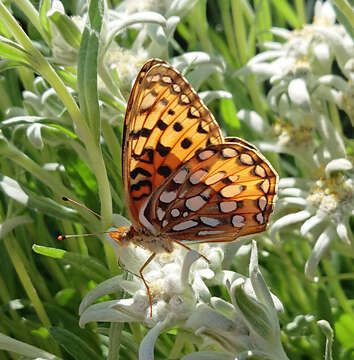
(64, 198)
(64, 237)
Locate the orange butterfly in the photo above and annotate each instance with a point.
(183, 182)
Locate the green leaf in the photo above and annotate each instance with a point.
(48, 251)
(287, 12)
(7, 64)
(255, 313)
(228, 112)
(74, 345)
(10, 50)
(89, 267)
(67, 28)
(344, 328)
(63, 297)
(263, 20)
(45, 205)
(44, 7)
(87, 68)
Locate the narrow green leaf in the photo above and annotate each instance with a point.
(287, 12)
(263, 20)
(74, 345)
(44, 7)
(67, 28)
(87, 67)
(7, 64)
(10, 50)
(89, 267)
(48, 251)
(45, 205)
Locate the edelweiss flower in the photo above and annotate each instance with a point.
(177, 283)
(164, 7)
(296, 68)
(294, 135)
(325, 204)
(248, 326)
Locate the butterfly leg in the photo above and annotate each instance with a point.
(189, 249)
(122, 266)
(145, 283)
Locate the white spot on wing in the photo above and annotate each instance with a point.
(195, 203)
(197, 176)
(260, 171)
(238, 221)
(260, 218)
(175, 212)
(185, 225)
(206, 154)
(231, 190)
(148, 100)
(160, 213)
(168, 196)
(210, 221)
(180, 177)
(228, 206)
(215, 178)
(210, 232)
(262, 203)
(246, 159)
(229, 152)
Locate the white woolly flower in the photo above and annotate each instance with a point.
(164, 7)
(247, 326)
(324, 206)
(124, 65)
(178, 284)
(175, 281)
(296, 67)
(294, 137)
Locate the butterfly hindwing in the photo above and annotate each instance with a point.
(224, 191)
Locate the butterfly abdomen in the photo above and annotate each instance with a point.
(125, 236)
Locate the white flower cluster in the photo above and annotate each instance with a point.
(307, 98)
(178, 284)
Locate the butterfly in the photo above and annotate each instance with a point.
(183, 181)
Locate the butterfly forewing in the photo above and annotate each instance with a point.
(166, 124)
(224, 191)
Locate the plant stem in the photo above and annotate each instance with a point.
(30, 11)
(115, 332)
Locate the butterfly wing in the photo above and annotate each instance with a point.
(224, 191)
(166, 123)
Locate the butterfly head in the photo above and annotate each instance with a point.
(122, 235)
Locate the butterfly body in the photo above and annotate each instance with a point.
(184, 182)
(153, 243)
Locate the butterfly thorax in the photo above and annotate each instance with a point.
(154, 243)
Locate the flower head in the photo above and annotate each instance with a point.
(295, 68)
(178, 283)
(324, 204)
